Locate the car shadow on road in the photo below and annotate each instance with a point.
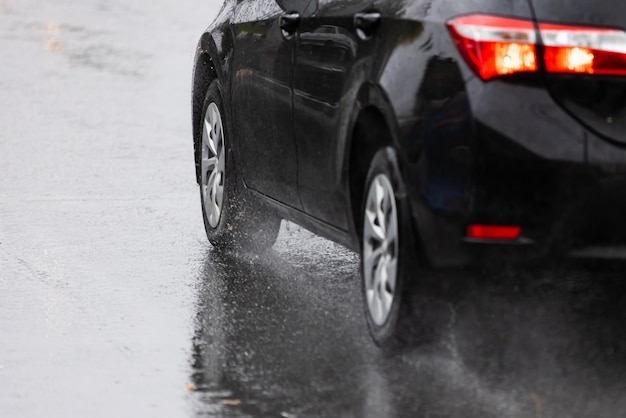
(284, 335)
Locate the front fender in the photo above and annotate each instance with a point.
(211, 62)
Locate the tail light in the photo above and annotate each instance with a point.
(573, 49)
(496, 46)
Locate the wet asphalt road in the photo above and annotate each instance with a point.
(112, 303)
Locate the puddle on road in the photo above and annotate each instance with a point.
(285, 334)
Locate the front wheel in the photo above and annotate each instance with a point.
(388, 253)
(233, 219)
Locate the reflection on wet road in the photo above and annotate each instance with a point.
(285, 335)
(113, 303)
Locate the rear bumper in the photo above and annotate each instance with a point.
(514, 158)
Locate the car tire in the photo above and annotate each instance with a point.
(234, 219)
(388, 254)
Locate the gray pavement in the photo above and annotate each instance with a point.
(100, 239)
(112, 303)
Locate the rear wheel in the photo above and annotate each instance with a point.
(388, 253)
(233, 218)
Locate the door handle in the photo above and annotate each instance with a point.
(289, 23)
(366, 23)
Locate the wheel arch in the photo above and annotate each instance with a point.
(374, 126)
(208, 66)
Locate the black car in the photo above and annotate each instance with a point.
(424, 134)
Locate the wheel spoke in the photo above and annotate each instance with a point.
(208, 165)
(211, 207)
(381, 215)
(214, 215)
(371, 258)
(207, 200)
(379, 284)
(374, 304)
(208, 137)
(217, 129)
(379, 313)
(391, 267)
(370, 295)
(219, 191)
(385, 291)
(206, 132)
(212, 178)
(218, 213)
(213, 113)
(372, 228)
(216, 206)
(221, 160)
(392, 226)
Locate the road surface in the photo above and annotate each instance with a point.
(112, 302)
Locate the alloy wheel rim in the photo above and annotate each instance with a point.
(212, 165)
(380, 249)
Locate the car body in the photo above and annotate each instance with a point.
(510, 156)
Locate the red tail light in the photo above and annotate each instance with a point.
(495, 46)
(494, 232)
(574, 49)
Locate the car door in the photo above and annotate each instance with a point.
(332, 58)
(261, 99)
